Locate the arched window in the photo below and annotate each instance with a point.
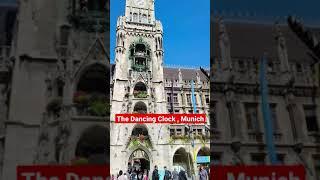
(140, 90)
(140, 129)
(183, 159)
(93, 145)
(144, 18)
(140, 107)
(140, 48)
(135, 17)
(94, 80)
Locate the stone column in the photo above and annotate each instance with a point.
(296, 118)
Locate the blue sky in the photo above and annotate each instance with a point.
(308, 10)
(186, 27)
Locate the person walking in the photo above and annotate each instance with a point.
(182, 175)
(155, 173)
(134, 175)
(121, 176)
(167, 174)
(145, 175)
(175, 174)
(203, 174)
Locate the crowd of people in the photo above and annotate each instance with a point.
(168, 175)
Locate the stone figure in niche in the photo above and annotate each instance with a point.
(62, 145)
(180, 76)
(62, 139)
(282, 49)
(198, 78)
(224, 42)
(124, 108)
(235, 113)
(43, 151)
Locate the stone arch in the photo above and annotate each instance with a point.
(90, 68)
(140, 90)
(140, 107)
(141, 129)
(183, 159)
(204, 150)
(93, 145)
(144, 149)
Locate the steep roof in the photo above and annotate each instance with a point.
(187, 74)
(253, 39)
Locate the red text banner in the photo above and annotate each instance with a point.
(161, 118)
(257, 172)
(62, 172)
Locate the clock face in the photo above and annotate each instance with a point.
(139, 3)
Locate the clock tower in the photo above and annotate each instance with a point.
(140, 11)
(138, 87)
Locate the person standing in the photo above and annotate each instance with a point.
(155, 173)
(175, 174)
(203, 173)
(182, 175)
(167, 174)
(145, 175)
(121, 176)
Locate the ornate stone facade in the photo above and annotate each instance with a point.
(141, 84)
(294, 97)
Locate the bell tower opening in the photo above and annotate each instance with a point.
(140, 107)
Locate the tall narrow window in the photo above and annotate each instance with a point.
(207, 99)
(189, 98)
(144, 19)
(175, 98)
(169, 97)
(273, 109)
(135, 17)
(252, 116)
(311, 118)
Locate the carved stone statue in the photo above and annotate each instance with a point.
(282, 49)
(198, 78)
(62, 139)
(43, 151)
(124, 108)
(180, 76)
(235, 114)
(224, 43)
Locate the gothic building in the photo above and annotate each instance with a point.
(141, 84)
(238, 133)
(53, 85)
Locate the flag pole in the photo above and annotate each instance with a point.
(268, 124)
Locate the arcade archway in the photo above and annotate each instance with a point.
(93, 145)
(139, 161)
(203, 157)
(183, 160)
